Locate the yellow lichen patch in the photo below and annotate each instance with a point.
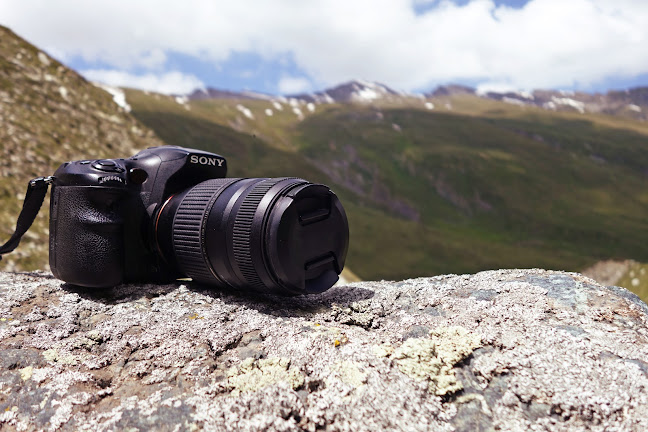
(253, 375)
(350, 373)
(53, 355)
(50, 355)
(26, 372)
(433, 359)
(384, 350)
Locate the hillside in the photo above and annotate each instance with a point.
(472, 184)
(49, 114)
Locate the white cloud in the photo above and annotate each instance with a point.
(167, 83)
(547, 43)
(294, 85)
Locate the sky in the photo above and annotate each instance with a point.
(294, 46)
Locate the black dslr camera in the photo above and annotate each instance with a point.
(169, 212)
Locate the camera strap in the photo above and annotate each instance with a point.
(36, 191)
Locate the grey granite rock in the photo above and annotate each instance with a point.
(502, 350)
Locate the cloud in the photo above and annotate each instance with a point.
(294, 85)
(545, 43)
(167, 83)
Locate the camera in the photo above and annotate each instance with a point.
(169, 212)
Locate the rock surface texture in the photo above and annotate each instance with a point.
(501, 350)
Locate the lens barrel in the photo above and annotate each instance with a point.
(275, 235)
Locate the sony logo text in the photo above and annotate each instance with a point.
(204, 160)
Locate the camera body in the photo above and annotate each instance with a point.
(100, 213)
(169, 212)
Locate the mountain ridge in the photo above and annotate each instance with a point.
(632, 102)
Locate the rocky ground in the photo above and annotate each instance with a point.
(502, 350)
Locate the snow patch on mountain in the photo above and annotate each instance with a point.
(550, 105)
(245, 111)
(503, 90)
(328, 99)
(64, 92)
(366, 91)
(184, 101)
(577, 105)
(119, 97)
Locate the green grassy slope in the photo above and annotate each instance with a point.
(499, 192)
(483, 186)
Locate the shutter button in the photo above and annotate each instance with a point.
(106, 165)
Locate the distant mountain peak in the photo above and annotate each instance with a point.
(354, 91)
(451, 90)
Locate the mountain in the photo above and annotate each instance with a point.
(353, 91)
(451, 90)
(632, 103)
(49, 114)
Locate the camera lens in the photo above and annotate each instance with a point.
(281, 235)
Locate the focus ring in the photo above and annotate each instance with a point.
(242, 232)
(188, 229)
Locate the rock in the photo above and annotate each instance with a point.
(500, 350)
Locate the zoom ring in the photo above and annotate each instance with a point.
(188, 229)
(242, 232)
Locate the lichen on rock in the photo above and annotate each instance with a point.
(433, 358)
(350, 373)
(253, 375)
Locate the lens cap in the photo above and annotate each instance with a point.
(307, 238)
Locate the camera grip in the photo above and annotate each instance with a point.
(87, 235)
